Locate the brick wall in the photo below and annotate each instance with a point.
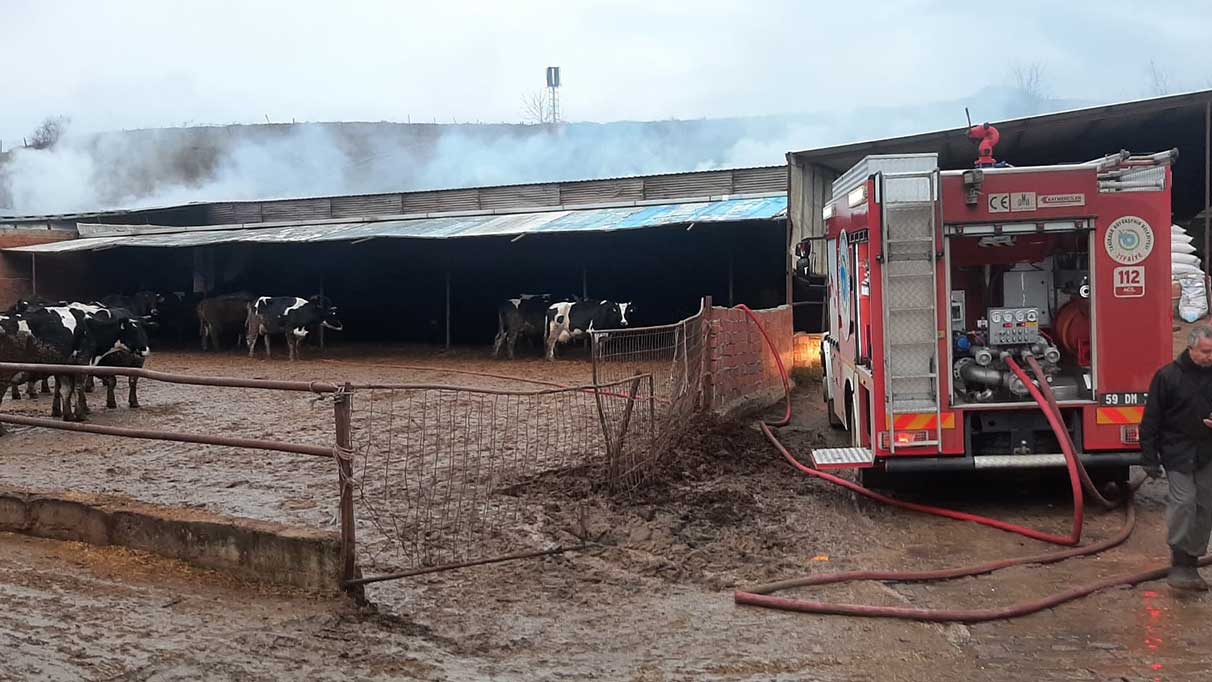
(15, 271)
(745, 376)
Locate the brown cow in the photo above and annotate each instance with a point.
(222, 314)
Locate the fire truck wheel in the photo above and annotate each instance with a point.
(834, 420)
(1101, 476)
(874, 478)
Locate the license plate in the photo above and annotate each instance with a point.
(1123, 399)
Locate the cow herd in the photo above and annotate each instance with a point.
(114, 332)
(108, 333)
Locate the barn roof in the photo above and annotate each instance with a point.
(600, 218)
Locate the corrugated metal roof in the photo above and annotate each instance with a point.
(601, 219)
(535, 194)
(1052, 130)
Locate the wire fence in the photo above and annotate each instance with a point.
(440, 473)
(676, 357)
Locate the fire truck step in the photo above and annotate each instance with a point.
(907, 405)
(842, 458)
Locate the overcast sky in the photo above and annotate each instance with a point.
(112, 65)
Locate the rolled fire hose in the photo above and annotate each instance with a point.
(1079, 479)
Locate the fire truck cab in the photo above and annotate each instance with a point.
(936, 278)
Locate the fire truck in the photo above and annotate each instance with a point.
(936, 278)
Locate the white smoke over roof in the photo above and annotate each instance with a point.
(179, 165)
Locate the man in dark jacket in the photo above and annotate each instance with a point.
(1176, 433)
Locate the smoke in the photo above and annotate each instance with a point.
(179, 165)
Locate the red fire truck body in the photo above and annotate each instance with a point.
(937, 277)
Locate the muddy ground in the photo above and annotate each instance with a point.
(650, 600)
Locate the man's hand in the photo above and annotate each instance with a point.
(1153, 470)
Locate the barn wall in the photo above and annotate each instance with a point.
(745, 374)
(16, 272)
(811, 186)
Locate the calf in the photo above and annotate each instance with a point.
(291, 316)
(568, 321)
(47, 336)
(220, 314)
(525, 316)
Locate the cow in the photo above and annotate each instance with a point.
(60, 337)
(176, 317)
(289, 315)
(568, 321)
(23, 306)
(218, 315)
(142, 304)
(118, 340)
(525, 316)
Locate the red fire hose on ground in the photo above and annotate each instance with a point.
(1080, 482)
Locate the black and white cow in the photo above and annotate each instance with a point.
(524, 316)
(117, 338)
(289, 315)
(31, 379)
(569, 321)
(58, 337)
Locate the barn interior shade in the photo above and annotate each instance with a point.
(602, 219)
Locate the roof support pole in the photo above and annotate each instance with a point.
(731, 302)
(788, 263)
(448, 309)
(1207, 182)
(322, 298)
(585, 282)
(33, 273)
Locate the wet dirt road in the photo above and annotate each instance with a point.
(652, 601)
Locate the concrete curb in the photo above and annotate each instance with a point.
(254, 550)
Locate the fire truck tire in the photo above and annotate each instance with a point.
(1101, 476)
(874, 478)
(834, 420)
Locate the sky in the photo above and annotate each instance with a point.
(139, 64)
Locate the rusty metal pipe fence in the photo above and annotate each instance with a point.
(434, 476)
(339, 450)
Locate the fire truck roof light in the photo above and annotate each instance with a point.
(856, 196)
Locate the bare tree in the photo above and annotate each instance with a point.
(49, 132)
(1159, 80)
(1030, 78)
(536, 108)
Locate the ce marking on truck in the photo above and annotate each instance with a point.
(1012, 202)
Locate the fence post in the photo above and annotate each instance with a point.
(707, 357)
(343, 416)
(632, 392)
